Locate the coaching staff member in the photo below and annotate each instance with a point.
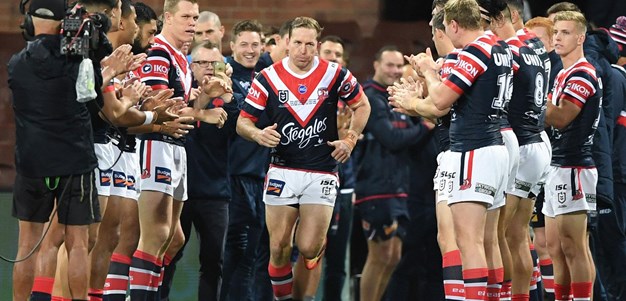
(54, 153)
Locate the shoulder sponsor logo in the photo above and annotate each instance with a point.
(292, 133)
(147, 68)
(274, 187)
(485, 189)
(163, 175)
(119, 179)
(346, 87)
(467, 67)
(254, 93)
(105, 177)
(579, 89)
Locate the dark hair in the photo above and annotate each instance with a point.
(246, 25)
(285, 28)
(334, 39)
(145, 13)
(110, 4)
(380, 51)
(438, 20)
(126, 8)
(562, 6)
(439, 3)
(494, 7)
(518, 5)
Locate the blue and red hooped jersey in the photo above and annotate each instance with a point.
(166, 68)
(571, 146)
(476, 114)
(305, 109)
(527, 105)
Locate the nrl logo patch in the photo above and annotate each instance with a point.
(283, 96)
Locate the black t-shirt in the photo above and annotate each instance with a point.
(53, 130)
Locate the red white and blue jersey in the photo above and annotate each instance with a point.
(578, 84)
(526, 111)
(166, 68)
(305, 109)
(442, 129)
(476, 114)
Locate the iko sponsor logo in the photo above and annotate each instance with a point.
(579, 89)
(254, 93)
(292, 133)
(467, 67)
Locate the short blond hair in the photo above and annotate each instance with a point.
(306, 22)
(578, 18)
(171, 6)
(465, 12)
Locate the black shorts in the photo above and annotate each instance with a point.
(538, 220)
(383, 219)
(34, 199)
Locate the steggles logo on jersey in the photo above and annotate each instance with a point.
(147, 68)
(291, 133)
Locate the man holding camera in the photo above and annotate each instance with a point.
(54, 154)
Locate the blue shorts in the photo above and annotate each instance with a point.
(383, 219)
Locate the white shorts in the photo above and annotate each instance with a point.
(164, 168)
(126, 175)
(512, 147)
(570, 189)
(479, 175)
(534, 160)
(106, 157)
(286, 186)
(441, 178)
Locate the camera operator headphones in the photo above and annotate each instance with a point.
(28, 29)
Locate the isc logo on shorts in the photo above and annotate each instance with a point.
(119, 179)
(163, 175)
(105, 177)
(275, 187)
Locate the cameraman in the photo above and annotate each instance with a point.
(54, 149)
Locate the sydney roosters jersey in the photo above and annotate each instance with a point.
(578, 84)
(530, 39)
(166, 68)
(442, 130)
(305, 109)
(482, 77)
(527, 105)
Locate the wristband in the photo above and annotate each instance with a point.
(351, 138)
(149, 117)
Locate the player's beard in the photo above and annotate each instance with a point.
(137, 48)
